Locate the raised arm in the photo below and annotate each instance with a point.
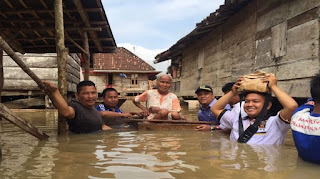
(220, 105)
(288, 103)
(58, 101)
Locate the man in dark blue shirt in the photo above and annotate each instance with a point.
(109, 109)
(206, 99)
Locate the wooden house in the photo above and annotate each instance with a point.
(122, 70)
(242, 36)
(48, 42)
(20, 91)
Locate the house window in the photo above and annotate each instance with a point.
(134, 79)
(176, 67)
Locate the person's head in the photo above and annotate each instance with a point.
(204, 95)
(164, 83)
(315, 88)
(227, 88)
(87, 93)
(254, 102)
(110, 97)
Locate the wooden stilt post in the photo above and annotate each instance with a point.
(86, 55)
(62, 56)
(1, 87)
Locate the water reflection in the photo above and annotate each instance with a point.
(137, 155)
(244, 157)
(23, 155)
(142, 154)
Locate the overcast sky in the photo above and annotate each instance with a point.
(149, 27)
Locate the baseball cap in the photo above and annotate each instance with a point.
(204, 88)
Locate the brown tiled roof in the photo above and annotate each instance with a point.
(122, 59)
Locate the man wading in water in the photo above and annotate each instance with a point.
(270, 130)
(82, 116)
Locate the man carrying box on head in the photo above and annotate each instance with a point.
(257, 127)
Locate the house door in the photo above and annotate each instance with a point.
(110, 80)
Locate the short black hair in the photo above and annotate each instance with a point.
(104, 92)
(315, 88)
(227, 87)
(84, 83)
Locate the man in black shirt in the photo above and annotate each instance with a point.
(82, 116)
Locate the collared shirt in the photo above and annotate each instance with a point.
(102, 107)
(205, 114)
(272, 131)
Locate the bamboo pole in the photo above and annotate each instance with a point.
(86, 55)
(62, 55)
(1, 87)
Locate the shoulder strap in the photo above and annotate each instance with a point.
(252, 129)
(240, 124)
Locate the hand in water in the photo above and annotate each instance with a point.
(203, 127)
(105, 127)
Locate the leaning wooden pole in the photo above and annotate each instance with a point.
(62, 56)
(86, 55)
(4, 45)
(1, 87)
(4, 111)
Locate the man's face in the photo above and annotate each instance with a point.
(164, 84)
(205, 97)
(253, 104)
(87, 96)
(111, 99)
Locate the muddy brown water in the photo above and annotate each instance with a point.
(142, 154)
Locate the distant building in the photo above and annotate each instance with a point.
(242, 36)
(122, 70)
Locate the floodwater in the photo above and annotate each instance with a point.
(142, 154)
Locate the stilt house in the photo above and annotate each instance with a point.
(242, 36)
(29, 28)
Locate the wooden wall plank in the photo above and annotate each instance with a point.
(43, 73)
(33, 62)
(279, 40)
(1, 88)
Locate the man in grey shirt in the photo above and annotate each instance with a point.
(82, 115)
